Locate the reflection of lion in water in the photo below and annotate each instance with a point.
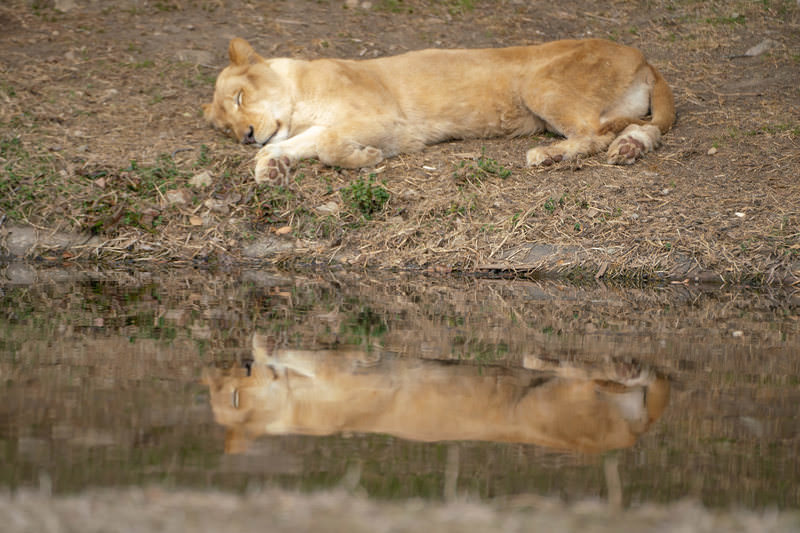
(325, 392)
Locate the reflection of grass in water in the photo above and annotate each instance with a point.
(478, 350)
(362, 328)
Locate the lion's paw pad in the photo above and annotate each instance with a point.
(625, 150)
(273, 170)
(631, 373)
(539, 157)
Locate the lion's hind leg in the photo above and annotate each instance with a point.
(633, 142)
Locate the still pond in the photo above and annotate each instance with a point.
(398, 387)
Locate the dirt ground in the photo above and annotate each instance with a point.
(101, 134)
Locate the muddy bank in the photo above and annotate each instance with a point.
(540, 261)
(164, 510)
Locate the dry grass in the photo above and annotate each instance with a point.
(80, 103)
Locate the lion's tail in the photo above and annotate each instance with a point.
(662, 103)
(662, 109)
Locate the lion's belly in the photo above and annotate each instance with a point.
(466, 120)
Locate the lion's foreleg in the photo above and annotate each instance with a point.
(274, 161)
(342, 150)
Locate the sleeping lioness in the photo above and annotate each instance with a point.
(356, 113)
(286, 391)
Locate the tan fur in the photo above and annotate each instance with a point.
(355, 113)
(327, 392)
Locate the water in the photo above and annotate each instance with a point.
(399, 387)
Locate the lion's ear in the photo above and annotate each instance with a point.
(240, 52)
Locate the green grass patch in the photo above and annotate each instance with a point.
(483, 167)
(8, 90)
(99, 199)
(551, 204)
(22, 178)
(365, 197)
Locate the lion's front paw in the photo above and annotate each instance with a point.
(272, 168)
(543, 157)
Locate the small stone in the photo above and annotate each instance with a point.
(266, 246)
(196, 57)
(761, 47)
(203, 179)
(712, 150)
(328, 208)
(217, 206)
(108, 95)
(64, 5)
(283, 231)
(177, 197)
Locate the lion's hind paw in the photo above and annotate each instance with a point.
(632, 143)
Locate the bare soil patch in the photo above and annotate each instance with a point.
(101, 133)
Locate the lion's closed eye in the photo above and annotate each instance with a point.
(235, 398)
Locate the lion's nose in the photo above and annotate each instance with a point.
(249, 137)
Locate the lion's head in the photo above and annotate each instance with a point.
(251, 101)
